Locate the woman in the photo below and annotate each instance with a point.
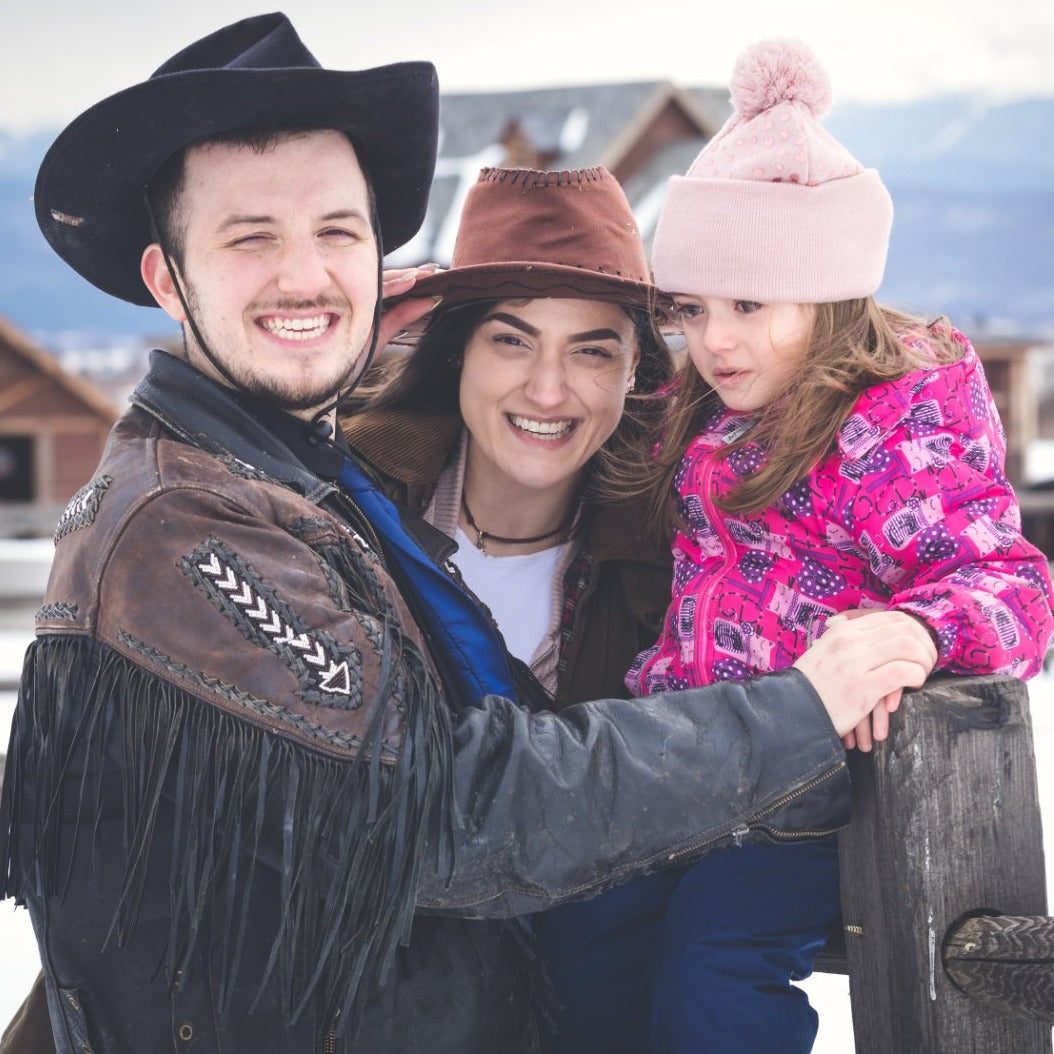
(527, 401)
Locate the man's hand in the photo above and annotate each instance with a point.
(865, 661)
(400, 316)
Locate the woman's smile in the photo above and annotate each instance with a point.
(547, 431)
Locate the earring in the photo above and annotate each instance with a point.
(630, 383)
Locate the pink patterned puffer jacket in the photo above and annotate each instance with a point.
(912, 511)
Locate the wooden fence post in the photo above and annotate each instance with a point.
(946, 823)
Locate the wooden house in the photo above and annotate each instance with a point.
(1024, 410)
(1006, 365)
(53, 426)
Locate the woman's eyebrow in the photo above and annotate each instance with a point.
(597, 334)
(526, 327)
(512, 320)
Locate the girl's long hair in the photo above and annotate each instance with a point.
(428, 379)
(854, 345)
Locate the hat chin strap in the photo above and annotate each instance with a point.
(156, 231)
(320, 429)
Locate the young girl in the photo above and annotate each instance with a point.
(825, 454)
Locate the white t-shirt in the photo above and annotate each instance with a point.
(517, 589)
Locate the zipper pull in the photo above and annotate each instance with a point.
(739, 834)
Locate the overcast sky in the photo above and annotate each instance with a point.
(62, 55)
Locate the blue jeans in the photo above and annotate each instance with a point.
(699, 960)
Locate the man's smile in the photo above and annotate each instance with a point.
(297, 328)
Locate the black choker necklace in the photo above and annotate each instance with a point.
(482, 537)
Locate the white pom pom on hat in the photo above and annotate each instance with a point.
(774, 208)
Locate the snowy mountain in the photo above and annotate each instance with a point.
(973, 188)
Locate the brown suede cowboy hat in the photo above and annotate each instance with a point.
(525, 233)
(89, 196)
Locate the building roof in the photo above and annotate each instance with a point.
(643, 132)
(31, 369)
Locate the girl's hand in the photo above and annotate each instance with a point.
(864, 662)
(874, 728)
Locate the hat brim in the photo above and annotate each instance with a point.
(516, 280)
(89, 190)
(525, 281)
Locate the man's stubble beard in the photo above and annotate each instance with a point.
(262, 386)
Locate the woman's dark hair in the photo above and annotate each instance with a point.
(428, 378)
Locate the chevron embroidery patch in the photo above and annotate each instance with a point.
(329, 673)
(81, 509)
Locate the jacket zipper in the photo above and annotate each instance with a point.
(702, 597)
(739, 833)
(363, 527)
(701, 651)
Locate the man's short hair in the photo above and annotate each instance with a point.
(165, 191)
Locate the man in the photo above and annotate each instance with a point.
(268, 788)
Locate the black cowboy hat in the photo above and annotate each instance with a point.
(255, 73)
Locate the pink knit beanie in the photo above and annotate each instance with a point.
(774, 208)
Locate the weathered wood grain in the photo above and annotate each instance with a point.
(946, 823)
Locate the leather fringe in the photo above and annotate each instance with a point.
(349, 836)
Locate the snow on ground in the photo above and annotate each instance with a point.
(829, 993)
